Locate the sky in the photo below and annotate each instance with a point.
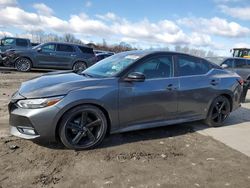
(217, 25)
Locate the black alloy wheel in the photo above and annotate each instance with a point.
(219, 111)
(83, 127)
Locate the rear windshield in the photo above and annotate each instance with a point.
(86, 50)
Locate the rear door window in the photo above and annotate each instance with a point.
(86, 50)
(64, 48)
(188, 66)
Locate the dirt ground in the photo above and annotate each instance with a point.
(173, 156)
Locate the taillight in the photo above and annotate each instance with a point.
(241, 82)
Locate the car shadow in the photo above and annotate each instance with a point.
(239, 116)
(9, 70)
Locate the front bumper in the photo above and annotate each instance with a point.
(33, 123)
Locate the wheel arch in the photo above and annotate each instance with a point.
(80, 104)
(228, 96)
(26, 58)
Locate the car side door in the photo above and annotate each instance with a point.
(46, 56)
(197, 86)
(65, 55)
(154, 99)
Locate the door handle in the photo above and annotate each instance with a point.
(73, 55)
(51, 54)
(214, 82)
(170, 87)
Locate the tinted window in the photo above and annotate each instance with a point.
(192, 66)
(248, 63)
(229, 63)
(240, 63)
(159, 67)
(49, 48)
(64, 48)
(21, 42)
(86, 50)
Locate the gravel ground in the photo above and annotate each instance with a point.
(173, 156)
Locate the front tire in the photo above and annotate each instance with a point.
(83, 127)
(218, 112)
(23, 64)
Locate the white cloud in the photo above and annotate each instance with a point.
(4, 3)
(108, 17)
(241, 45)
(215, 26)
(88, 4)
(236, 12)
(5, 34)
(43, 9)
(114, 28)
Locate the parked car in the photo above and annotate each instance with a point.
(53, 55)
(101, 56)
(239, 65)
(242, 67)
(127, 91)
(14, 43)
(11, 43)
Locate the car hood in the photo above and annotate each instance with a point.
(54, 84)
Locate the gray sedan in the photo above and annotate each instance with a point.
(128, 91)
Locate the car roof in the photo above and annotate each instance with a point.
(14, 38)
(152, 52)
(68, 43)
(237, 58)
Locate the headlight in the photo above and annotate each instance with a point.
(38, 103)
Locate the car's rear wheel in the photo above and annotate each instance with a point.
(83, 127)
(79, 66)
(23, 64)
(218, 112)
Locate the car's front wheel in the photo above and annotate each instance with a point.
(83, 127)
(218, 112)
(23, 64)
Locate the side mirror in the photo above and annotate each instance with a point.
(39, 49)
(224, 66)
(135, 77)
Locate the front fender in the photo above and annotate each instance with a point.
(105, 97)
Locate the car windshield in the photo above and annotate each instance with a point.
(7, 41)
(112, 66)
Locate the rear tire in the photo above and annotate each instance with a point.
(83, 127)
(23, 64)
(218, 112)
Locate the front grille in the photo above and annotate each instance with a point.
(19, 121)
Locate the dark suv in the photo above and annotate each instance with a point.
(242, 67)
(239, 65)
(53, 55)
